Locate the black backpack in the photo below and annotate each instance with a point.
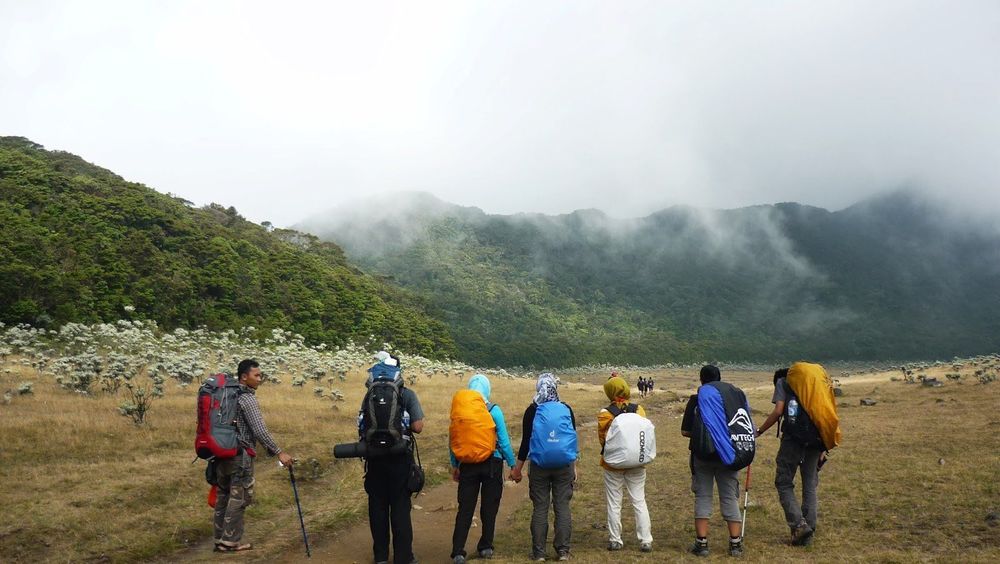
(799, 427)
(382, 413)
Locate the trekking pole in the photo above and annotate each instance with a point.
(302, 523)
(746, 502)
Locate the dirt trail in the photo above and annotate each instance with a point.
(433, 523)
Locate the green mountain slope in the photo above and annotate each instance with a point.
(887, 278)
(82, 244)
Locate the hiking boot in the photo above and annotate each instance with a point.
(614, 545)
(564, 555)
(801, 532)
(646, 547)
(458, 559)
(700, 548)
(808, 539)
(486, 553)
(736, 548)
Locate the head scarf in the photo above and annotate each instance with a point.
(617, 390)
(546, 388)
(481, 384)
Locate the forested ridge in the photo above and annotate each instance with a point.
(893, 277)
(888, 278)
(82, 244)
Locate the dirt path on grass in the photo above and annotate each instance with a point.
(433, 523)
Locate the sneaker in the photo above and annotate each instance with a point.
(563, 555)
(486, 553)
(646, 547)
(800, 533)
(458, 559)
(538, 556)
(736, 548)
(614, 545)
(700, 548)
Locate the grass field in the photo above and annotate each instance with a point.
(915, 478)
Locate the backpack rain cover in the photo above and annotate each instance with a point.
(725, 413)
(553, 438)
(472, 434)
(631, 439)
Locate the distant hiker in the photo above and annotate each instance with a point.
(803, 401)
(630, 438)
(234, 476)
(641, 384)
(390, 412)
(717, 419)
(478, 444)
(549, 439)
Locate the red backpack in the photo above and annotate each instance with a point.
(217, 436)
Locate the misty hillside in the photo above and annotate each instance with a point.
(888, 278)
(82, 244)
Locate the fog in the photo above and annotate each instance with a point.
(627, 107)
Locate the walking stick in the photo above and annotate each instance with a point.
(746, 502)
(302, 523)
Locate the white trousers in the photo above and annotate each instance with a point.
(633, 479)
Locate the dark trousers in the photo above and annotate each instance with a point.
(550, 487)
(793, 457)
(484, 477)
(389, 506)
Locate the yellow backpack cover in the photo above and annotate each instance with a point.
(814, 388)
(472, 434)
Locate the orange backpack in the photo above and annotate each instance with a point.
(472, 434)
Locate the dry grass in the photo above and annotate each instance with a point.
(79, 482)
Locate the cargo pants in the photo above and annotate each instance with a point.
(235, 481)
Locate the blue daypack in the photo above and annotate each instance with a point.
(553, 438)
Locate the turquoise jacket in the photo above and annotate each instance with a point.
(504, 451)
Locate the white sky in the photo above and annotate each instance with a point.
(282, 109)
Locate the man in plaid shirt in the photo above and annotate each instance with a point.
(235, 475)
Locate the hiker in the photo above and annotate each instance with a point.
(234, 476)
(706, 462)
(478, 444)
(805, 442)
(649, 385)
(615, 479)
(386, 475)
(641, 384)
(549, 439)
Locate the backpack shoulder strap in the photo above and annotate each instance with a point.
(490, 406)
(788, 390)
(613, 410)
(632, 408)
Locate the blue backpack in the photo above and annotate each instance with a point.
(553, 438)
